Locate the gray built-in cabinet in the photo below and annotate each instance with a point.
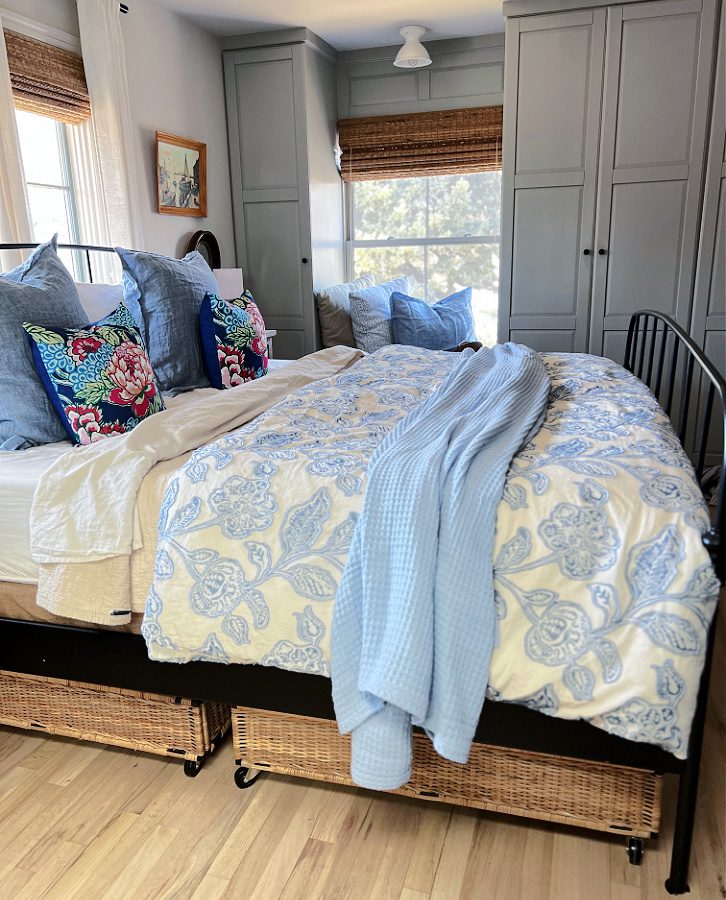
(281, 115)
(709, 316)
(606, 122)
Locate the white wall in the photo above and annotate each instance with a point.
(175, 85)
(174, 71)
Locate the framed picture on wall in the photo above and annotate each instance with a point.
(181, 175)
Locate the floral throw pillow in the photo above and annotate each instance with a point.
(99, 378)
(234, 344)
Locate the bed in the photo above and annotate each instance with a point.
(520, 743)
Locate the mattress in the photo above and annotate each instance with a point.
(20, 472)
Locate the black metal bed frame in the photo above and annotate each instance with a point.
(119, 659)
(86, 249)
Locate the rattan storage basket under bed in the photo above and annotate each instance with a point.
(599, 796)
(152, 723)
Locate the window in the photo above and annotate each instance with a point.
(441, 231)
(44, 148)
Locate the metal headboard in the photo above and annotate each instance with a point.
(86, 249)
(649, 357)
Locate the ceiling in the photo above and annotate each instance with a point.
(346, 24)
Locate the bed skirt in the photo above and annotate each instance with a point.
(151, 723)
(598, 796)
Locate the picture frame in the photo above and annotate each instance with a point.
(181, 175)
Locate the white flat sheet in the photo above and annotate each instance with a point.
(20, 471)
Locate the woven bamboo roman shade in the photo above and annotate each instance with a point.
(47, 80)
(429, 143)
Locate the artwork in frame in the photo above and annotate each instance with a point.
(181, 175)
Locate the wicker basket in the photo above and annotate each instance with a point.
(152, 723)
(599, 796)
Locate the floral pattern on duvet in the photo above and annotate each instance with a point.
(604, 591)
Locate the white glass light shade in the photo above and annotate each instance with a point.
(413, 54)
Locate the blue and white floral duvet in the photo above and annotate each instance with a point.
(604, 591)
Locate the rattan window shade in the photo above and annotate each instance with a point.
(47, 80)
(430, 143)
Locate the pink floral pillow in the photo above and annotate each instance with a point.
(234, 344)
(99, 378)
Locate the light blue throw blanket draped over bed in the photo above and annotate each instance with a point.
(414, 622)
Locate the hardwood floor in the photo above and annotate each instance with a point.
(79, 820)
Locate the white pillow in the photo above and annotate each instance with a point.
(99, 300)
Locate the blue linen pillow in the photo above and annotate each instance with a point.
(441, 326)
(99, 378)
(40, 289)
(234, 342)
(165, 295)
(370, 314)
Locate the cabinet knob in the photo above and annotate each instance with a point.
(304, 259)
(586, 251)
(602, 251)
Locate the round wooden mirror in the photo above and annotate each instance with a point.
(206, 243)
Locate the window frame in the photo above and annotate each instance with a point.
(67, 188)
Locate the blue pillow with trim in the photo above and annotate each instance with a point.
(98, 378)
(40, 290)
(439, 326)
(234, 342)
(165, 295)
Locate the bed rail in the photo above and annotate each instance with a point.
(657, 350)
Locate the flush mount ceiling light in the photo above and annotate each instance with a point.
(413, 54)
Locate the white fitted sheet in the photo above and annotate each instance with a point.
(20, 472)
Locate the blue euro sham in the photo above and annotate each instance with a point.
(440, 326)
(164, 296)
(39, 290)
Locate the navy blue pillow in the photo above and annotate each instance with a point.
(165, 296)
(234, 341)
(39, 290)
(441, 326)
(99, 378)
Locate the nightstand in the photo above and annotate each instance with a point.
(269, 334)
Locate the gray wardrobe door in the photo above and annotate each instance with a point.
(709, 308)
(266, 119)
(655, 109)
(553, 85)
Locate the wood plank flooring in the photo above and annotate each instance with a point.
(79, 820)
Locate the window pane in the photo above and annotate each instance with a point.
(49, 213)
(394, 208)
(464, 205)
(454, 267)
(386, 263)
(40, 149)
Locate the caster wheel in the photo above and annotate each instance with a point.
(192, 768)
(634, 847)
(241, 779)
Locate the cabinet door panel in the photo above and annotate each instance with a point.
(645, 226)
(545, 341)
(717, 294)
(553, 97)
(546, 252)
(275, 272)
(657, 84)
(265, 100)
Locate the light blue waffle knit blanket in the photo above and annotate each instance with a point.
(414, 623)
